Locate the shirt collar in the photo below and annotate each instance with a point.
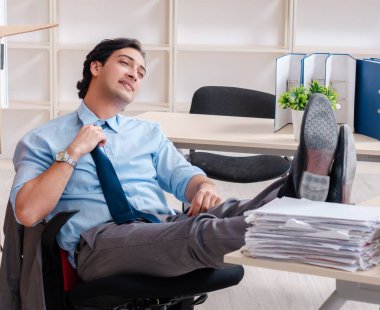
(88, 117)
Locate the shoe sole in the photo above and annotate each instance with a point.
(319, 137)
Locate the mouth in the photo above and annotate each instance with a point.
(127, 84)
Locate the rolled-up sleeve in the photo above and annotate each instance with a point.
(173, 170)
(31, 158)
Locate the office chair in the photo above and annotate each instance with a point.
(64, 290)
(233, 101)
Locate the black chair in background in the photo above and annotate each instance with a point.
(63, 289)
(233, 101)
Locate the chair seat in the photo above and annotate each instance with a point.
(240, 169)
(125, 287)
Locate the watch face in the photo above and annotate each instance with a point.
(60, 156)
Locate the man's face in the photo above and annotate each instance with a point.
(121, 75)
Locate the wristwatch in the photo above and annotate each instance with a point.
(64, 156)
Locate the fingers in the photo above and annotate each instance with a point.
(204, 200)
(218, 201)
(199, 204)
(88, 137)
(101, 135)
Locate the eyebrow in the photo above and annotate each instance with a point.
(132, 59)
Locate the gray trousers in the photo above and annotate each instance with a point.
(179, 245)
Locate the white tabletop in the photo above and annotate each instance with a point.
(240, 134)
(371, 276)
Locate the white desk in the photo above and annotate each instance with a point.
(360, 286)
(240, 134)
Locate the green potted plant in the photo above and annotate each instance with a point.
(297, 97)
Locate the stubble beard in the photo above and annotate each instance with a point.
(123, 98)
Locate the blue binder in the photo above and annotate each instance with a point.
(367, 98)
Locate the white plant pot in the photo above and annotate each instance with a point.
(297, 120)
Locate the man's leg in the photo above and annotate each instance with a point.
(344, 167)
(310, 170)
(176, 247)
(233, 207)
(164, 249)
(314, 157)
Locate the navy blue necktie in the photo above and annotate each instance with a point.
(121, 210)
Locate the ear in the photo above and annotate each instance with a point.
(95, 68)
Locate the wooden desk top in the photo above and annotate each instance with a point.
(371, 276)
(240, 134)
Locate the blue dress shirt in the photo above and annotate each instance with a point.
(145, 161)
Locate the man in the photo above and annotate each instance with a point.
(55, 172)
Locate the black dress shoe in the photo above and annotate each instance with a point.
(344, 168)
(313, 159)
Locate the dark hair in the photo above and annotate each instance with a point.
(100, 53)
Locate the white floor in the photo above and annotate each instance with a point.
(261, 288)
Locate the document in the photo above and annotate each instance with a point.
(332, 235)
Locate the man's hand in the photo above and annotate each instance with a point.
(206, 197)
(39, 196)
(89, 136)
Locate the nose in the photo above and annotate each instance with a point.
(132, 74)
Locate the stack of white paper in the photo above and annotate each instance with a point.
(332, 235)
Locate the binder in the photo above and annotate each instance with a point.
(341, 76)
(314, 68)
(288, 74)
(367, 99)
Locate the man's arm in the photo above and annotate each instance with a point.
(39, 196)
(202, 193)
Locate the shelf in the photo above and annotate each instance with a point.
(230, 48)
(28, 45)
(70, 106)
(29, 105)
(341, 26)
(6, 165)
(242, 23)
(222, 69)
(88, 21)
(34, 13)
(16, 123)
(337, 50)
(182, 107)
(29, 75)
(136, 108)
(148, 106)
(88, 47)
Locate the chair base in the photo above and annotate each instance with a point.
(184, 303)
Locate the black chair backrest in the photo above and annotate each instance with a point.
(51, 262)
(233, 101)
(123, 288)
